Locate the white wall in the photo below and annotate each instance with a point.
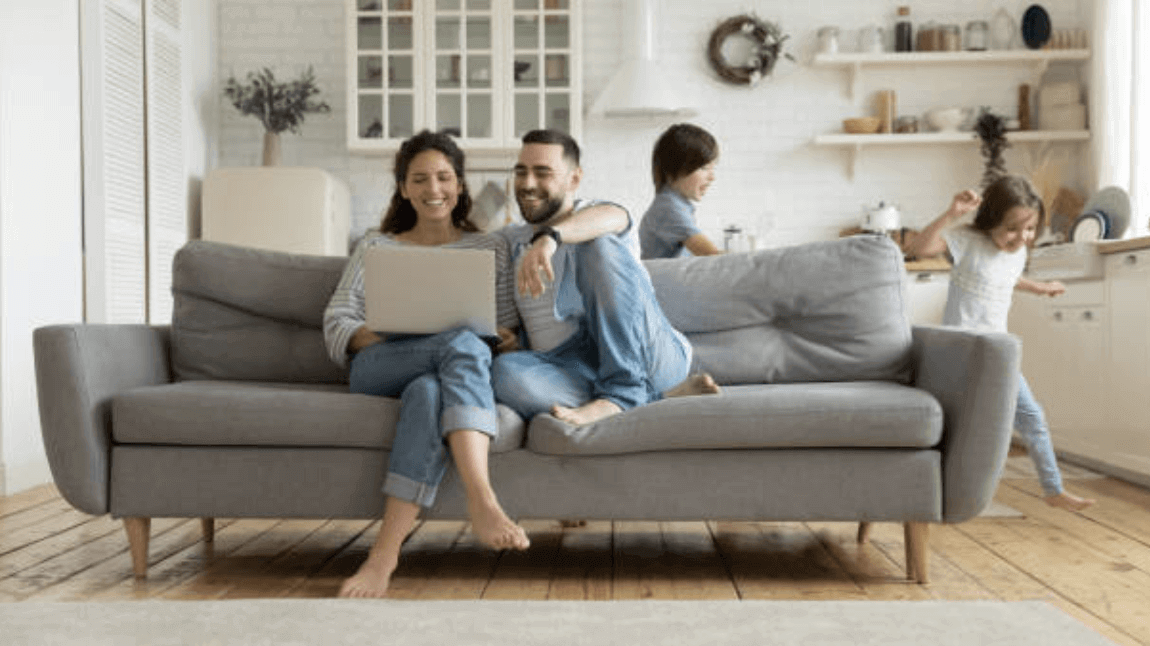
(41, 280)
(770, 177)
(40, 269)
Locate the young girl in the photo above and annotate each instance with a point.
(683, 167)
(989, 256)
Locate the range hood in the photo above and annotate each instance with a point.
(638, 88)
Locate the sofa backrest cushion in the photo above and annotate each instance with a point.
(823, 311)
(249, 314)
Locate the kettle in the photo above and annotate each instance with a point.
(883, 218)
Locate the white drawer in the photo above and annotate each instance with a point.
(1086, 292)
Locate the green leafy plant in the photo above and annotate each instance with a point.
(278, 105)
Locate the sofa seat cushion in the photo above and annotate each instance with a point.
(219, 413)
(862, 414)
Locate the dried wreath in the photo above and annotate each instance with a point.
(766, 41)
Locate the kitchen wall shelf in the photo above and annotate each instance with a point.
(857, 142)
(1040, 59)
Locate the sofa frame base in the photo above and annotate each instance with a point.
(915, 536)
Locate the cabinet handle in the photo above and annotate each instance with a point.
(1058, 316)
(1131, 259)
(1088, 315)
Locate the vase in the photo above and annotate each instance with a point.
(271, 149)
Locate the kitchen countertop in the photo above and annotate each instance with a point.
(939, 263)
(1118, 246)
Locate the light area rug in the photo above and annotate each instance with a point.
(547, 623)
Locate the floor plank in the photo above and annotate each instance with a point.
(584, 564)
(27, 499)
(527, 574)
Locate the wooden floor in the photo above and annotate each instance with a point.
(1095, 566)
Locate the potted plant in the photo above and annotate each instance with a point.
(278, 105)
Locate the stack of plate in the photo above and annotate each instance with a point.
(1105, 216)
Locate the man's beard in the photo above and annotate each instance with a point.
(544, 212)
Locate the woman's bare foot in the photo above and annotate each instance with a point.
(1069, 501)
(700, 384)
(588, 413)
(494, 529)
(370, 581)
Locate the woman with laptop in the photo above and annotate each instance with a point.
(442, 379)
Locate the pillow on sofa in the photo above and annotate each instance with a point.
(247, 314)
(824, 311)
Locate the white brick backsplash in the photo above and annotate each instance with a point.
(770, 179)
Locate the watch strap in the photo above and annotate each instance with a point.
(549, 231)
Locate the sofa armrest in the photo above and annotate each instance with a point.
(79, 368)
(974, 375)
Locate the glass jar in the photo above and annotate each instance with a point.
(928, 38)
(903, 31)
(951, 38)
(829, 40)
(906, 125)
(871, 39)
(977, 35)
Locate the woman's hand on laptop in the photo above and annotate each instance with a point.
(362, 338)
(508, 341)
(535, 271)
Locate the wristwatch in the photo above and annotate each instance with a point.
(547, 230)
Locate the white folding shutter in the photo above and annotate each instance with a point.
(167, 227)
(114, 176)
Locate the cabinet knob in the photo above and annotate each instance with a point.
(1088, 315)
(1058, 316)
(1131, 259)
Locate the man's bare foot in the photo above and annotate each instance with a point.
(588, 413)
(700, 384)
(369, 582)
(1069, 501)
(494, 529)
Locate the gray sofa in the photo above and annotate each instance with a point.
(834, 409)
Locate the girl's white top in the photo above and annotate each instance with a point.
(982, 280)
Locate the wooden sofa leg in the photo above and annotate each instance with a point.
(864, 531)
(916, 536)
(138, 533)
(209, 525)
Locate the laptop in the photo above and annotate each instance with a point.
(426, 290)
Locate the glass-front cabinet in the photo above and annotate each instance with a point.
(486, 71)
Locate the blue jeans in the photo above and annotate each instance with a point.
(443, 382)
(1031, 425)
(625, 350)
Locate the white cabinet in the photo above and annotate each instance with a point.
(1128, 428)
(926, 296)
(485, 70)
(1064, 360)
(1086, 355)
(280, 208)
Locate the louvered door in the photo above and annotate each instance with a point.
(167, 227)
(135, 192)
(112, 81)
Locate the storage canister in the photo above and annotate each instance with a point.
(977, 35)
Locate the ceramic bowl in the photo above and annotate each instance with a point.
(946, 119)
(861, 125)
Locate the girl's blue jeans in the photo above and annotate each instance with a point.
(1030, 423)
(625, 350)
(443, 382)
